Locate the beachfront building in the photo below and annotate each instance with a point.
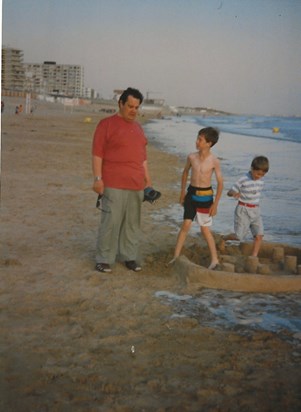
(89, 93)
(117, 94)
(54, 79)
(12, 69)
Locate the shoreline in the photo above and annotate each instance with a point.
(67, 331)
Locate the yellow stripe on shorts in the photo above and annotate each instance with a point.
(204, 192)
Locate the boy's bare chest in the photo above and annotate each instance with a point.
(200, 165)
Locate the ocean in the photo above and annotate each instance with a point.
(241, 139)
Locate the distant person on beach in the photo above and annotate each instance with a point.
(199, 201)
(2, 106)
(247, 214)
(120, 175)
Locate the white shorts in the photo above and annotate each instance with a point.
(203, 218)
(247, 219)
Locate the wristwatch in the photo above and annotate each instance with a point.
(97, 178)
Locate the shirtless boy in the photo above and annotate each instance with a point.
(198, 201)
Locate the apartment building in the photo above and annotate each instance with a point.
(48, 78)
(55, 79)
(12, 69)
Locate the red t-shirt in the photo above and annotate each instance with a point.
(122, 146)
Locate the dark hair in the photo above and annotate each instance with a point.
(260, 163)
(130, 91)
(211, 135)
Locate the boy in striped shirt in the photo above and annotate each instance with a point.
(247, 214)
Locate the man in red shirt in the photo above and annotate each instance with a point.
(120, 175)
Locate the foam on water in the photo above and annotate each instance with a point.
(240, 312)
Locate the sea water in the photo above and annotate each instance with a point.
(241, 139)
(243, 313)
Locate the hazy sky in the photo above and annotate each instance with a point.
(241, 56)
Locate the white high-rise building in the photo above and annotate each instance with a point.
(12, 69)
(55, 79)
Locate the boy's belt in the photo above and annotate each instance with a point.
(247, 204)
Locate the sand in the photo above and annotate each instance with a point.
(73, 339)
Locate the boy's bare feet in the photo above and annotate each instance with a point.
(214, 266)
(171, 262)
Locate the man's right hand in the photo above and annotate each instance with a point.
(98, 186)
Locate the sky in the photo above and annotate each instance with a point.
(240, 56)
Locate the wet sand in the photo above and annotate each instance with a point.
(73, 339)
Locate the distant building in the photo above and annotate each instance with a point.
(89, 93)
(12, 69)
(50, 78)
(47, 78)
(117, 94)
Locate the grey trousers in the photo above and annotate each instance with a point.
(119, 228)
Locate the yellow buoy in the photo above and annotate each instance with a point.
(275, 129)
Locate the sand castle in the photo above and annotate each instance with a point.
(277, 269)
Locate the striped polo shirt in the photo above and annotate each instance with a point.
(249, 189)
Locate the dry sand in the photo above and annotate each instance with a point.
(67, 331)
